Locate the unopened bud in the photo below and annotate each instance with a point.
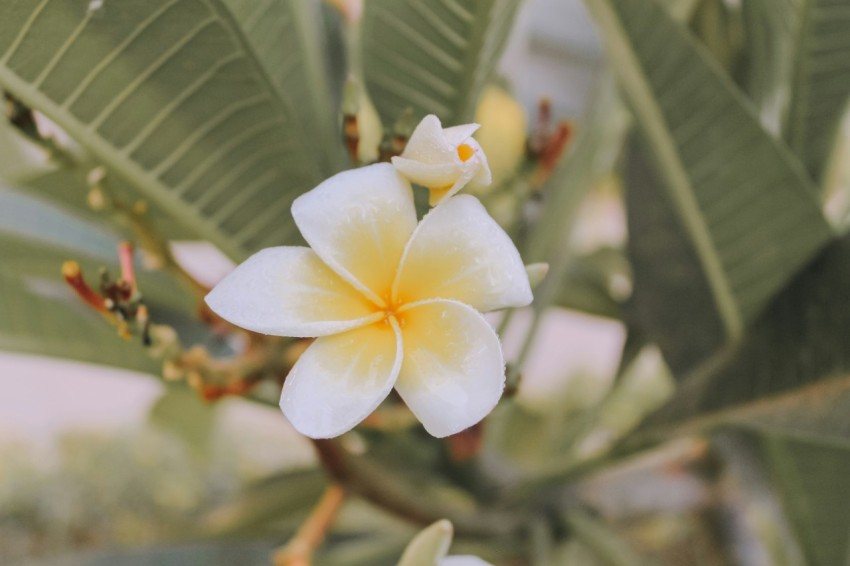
(536, 272)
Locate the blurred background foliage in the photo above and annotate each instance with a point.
(689, 192)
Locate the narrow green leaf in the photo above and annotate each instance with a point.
(800, 72)
(790, 374)
(433, 57)
(744, 202)
(671, 301)
(171, 96)
(769, 56)
(812, 482)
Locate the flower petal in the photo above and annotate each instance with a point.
(483, 177)
(358, 222)
(428, 143)
(457, 135)
(339, 380)
(289, 291)
(453, 371)
(459, 252)
(429, 175)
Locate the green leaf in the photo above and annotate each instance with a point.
(588, 281)
(286, 497)
(790, 375)
(69, 187)
(671, 302)
(769, 56)
(286, 39)
(181, 412)
(434, 57)
(812, 483)
(375, 551)
(188, 554)
(744, 202)
(18, 156)
(172, 96)
(40, 314)
(27, 218)
(800, 67)
(607, 545)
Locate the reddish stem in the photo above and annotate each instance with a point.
(74, 277)
(125, 257)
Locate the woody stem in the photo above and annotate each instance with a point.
(299, 550)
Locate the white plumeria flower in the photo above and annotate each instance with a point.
(443, 159)
(393, 304)
(430, 546)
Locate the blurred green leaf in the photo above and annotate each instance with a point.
(671, 302)
(181, 412)
(769, 56)
(434, 57)
(790, 374)
(68, 187)
(743, 201)
(608, 546)
(18, 156)
(40, 314)
(43, 317)
(589, 157)
(375, 550)
(812, 481)
(718, 26)
(284, 498)
(800, 71)
(194, 554)
(589, 282)
(173, 96)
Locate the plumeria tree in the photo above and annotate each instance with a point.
(332, 151)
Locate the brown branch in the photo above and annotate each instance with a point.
(394, 494)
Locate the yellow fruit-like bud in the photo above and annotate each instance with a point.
(503, 131)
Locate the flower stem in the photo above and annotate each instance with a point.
(299, 550)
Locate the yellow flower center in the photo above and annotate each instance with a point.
(392, 309)
(465, 151)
